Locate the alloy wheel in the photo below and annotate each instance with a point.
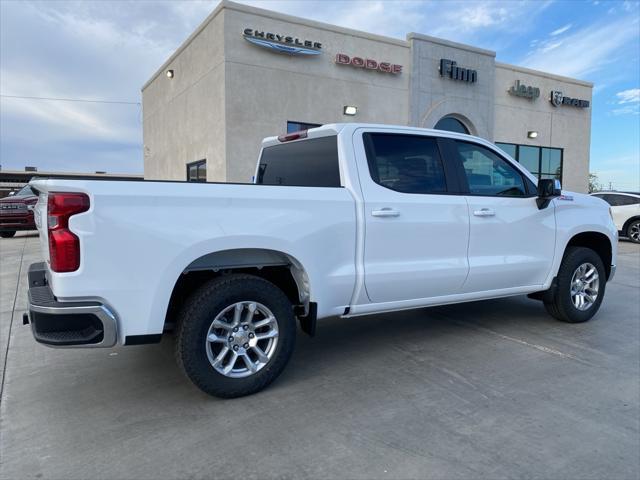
(585, 284)
(634, 232)
(242, 339)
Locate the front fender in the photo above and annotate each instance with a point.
(582, 214)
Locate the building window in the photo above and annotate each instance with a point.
(543, 162)
(197, 171)
(297, 126)
(451, 124)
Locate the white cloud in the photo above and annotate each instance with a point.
(548, 46)
(483, 15)
(628, 110)
(477, 23)
(630, 99)
(393, 19)
(629, 96)
(561, 30)
(586, 50)
(67, 119)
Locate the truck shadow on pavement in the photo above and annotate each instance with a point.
(342, 346)
(369, 348)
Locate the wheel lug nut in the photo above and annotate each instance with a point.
(246, 345)
(251, 335)
(231, 339)
(235, 329)
(235, 348)
(246, 327)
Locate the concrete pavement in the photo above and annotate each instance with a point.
(493, 389)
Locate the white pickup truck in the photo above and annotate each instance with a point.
(342, 220)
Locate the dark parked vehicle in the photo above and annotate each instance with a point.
(16, 212)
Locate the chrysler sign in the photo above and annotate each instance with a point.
(282, 43)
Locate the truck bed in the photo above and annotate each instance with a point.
(138, 234)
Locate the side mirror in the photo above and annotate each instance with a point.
(548, 189)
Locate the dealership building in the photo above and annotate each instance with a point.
(248, 73)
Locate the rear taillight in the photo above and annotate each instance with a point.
(64, 246)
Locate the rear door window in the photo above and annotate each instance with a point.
(305, 163)
(405, 163)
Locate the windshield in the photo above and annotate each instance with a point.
(25, 191)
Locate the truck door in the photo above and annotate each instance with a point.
(511, 241)
(416, 224)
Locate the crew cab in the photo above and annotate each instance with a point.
(16, 212)
(341, 220)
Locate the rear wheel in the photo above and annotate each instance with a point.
(7, 234)
(235, 335)
(580, 286)
(633, 231)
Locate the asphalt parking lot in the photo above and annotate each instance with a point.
(493, 389)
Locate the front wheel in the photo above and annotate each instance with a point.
(8, 234)
(580, 286)
(633, 231)
(235, 335)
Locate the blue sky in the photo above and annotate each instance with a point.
(107, 49)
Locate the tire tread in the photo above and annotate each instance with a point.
(199, 304)
(561, 307)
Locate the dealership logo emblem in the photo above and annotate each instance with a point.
(368, 64)
(556, 98)
(450, 69)
(520, 90)
(282, 43)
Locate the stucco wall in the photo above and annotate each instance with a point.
(266, 89)
(433, 96)
(564, 127)
(183, 117)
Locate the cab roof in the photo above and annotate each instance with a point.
(336, 128)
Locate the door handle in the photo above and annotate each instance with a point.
(484, 212)
(385, 212)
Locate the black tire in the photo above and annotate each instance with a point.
(632, 230)
(561, 306)
(196, 317)
(8, 234)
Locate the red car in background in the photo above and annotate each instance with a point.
(16, 212)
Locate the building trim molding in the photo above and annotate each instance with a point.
(540, 73)
(448, 43)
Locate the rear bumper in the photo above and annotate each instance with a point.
(67, 324)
